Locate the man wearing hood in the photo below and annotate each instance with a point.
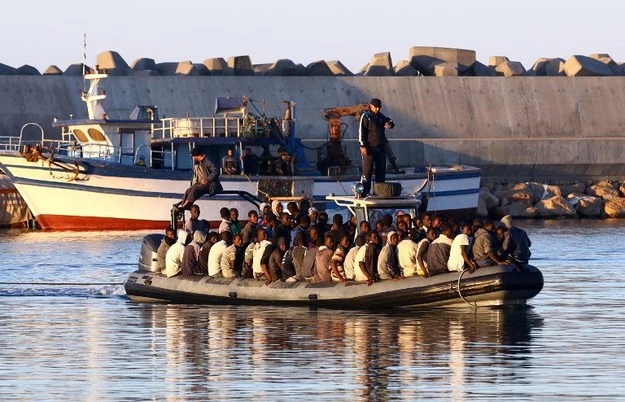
(515, 243)
(275, 260)
(191, 254)
(322, 270)
(166, 242)
(173, 259)
(388, 267)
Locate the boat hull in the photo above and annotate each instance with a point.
(499, 285)
(87, 195)
(13, 209)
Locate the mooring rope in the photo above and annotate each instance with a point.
(474, 305)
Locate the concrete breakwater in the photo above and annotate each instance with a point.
(520, 128)
(599, 199)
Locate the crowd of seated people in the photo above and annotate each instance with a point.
(299, 244)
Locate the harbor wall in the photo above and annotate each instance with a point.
(513, 127)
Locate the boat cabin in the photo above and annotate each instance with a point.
(373, 208)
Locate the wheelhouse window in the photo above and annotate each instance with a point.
(80, 136)
(96, 135)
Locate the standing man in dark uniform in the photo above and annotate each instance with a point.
(205, 180)
(372, 144)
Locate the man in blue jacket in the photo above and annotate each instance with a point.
(373, 140)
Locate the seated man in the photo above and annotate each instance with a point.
(438, 252)
(388, 267)
(205, 180)
(337, 263)
(194, 223)
(407, 254)
(283, 165)
(322, 261)
(262, 251)
(275, 260)
(216, 254)
(202, 259)
(516, 243)
(173, 259)
(422, 252)
(229, 267)
(349, 264)
(458, 255)
(230, 164)
(483, 251)
(367, 259)
(249, 230)
(167, 241)
(191, 254)
(224, 225)
(250, 162)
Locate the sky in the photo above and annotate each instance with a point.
(44, 32)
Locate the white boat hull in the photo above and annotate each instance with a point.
(101, 196)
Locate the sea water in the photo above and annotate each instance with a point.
(67, 332)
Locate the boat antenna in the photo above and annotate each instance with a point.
(84, 61)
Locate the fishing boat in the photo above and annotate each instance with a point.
(500, 285)
(125, 174)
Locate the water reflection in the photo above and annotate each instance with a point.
(265, 352)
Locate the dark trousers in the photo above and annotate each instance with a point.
(196, 191)
(377, 157)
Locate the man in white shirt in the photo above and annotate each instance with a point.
(173, 258)
(350, 259)
(224, 225)
(261, 256)
(216, 253)
(407, 254)
(458, 256)
(359, 275)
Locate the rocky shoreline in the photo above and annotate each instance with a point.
(530, 200)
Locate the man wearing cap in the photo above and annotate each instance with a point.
(372, 144)
(205, 180)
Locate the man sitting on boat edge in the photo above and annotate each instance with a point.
(205, 180)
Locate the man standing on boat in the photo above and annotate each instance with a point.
(205, 180)
(373, 141)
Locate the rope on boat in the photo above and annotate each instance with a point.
(64, 283)
(474, 305)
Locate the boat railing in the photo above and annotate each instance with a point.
(9, 143)
(208, 127)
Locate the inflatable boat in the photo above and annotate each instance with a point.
(490, 286)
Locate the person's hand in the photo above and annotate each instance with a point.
(363, 151)
(204, 181)
(387, 125)
(369, 282)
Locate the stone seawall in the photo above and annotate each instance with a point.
(515, 127)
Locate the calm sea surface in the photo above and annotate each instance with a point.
(59, 341)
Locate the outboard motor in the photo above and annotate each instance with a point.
(148, 260)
